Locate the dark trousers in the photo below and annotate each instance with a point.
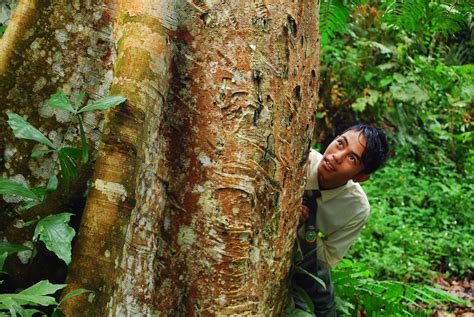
(324, 299)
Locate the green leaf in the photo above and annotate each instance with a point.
(296, 312)
(40, 192)
(68, 167)
(79, 99)
(84, 145)
(104, 103)
(56, 234)
(28, 299)
(23, 130)
(72, 152)
(43, 287)
(74, 293)
(58, 313)
(36, 295)
(317, 279)
(52, 184)
(10, 248)
(3, 257)
(30, 204)
(28, 223)
(9, 187)
(302, 293)
(60, 101)
(39, 153)
(30, 312)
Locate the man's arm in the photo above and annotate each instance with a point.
(332, 248)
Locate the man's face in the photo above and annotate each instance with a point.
(342, 161)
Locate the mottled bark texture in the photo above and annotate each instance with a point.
(127, 173)
(48, 46)
(194, 200)
(236, 125)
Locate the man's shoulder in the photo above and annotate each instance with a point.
(356, 197)
(314, 156)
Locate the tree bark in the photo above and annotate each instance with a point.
(127, 172)
(49, 46)
(196, 190)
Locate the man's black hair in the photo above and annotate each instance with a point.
(376, 151)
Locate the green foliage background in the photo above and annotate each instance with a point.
(406, 66)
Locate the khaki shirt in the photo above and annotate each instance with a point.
(342, 212)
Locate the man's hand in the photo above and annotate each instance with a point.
(304, 213)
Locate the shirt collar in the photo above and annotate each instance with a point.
(328, 194)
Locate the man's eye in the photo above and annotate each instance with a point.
(352, 158)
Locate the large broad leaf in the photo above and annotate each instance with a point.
(56, 234)
(9, 187)
(34, 295)
(60, 101)
(23, 130)
(104, 103)
(43, 287)
(22, 299)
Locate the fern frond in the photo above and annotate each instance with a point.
(415, 16)
(392, 297)
(445, 19)
(406, 15)
(333, 16)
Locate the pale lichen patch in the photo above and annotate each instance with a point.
(26, 255)
(204, 159)
(186, 237)
(91, 298)
(115, 192)
(9, 152)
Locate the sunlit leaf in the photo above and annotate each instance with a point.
(52, 184)
(103, 104)
(9, 187)
(79, 99)
(23, 130)
(43, 288)
(56, 234)
(39, 153)
(60, 101)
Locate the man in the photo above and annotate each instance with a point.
(339, 207)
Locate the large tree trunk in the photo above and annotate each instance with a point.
(198, 181)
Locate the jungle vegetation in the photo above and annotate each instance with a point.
(406, 66)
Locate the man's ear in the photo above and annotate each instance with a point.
(361, 178)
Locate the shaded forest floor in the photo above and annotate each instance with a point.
(463, 289)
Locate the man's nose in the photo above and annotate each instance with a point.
(338, 157)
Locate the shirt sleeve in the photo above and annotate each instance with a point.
(332, 248)
(311, 174)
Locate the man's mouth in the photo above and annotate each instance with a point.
(329, 165)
